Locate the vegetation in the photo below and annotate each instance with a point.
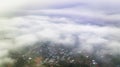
(46, 55)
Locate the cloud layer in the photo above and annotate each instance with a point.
(27, 30)
(92, 26)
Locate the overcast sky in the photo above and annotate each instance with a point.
(95, 23)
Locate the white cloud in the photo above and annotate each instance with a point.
(105, 11)
(63, 22)
(27, 30)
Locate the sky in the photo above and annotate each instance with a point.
(93, 23)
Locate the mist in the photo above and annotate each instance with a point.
(77, 24)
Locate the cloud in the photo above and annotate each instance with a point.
(8, 7)
(79, 16)
(94, 4)
(105, 6)
(95, 11)
(27, 30)
(92, 25)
